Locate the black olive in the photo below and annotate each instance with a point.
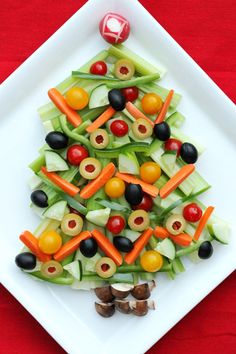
(26, 260)
(133, 193)
(189, 153)
(123, 244)
(88, 247)
(162, 131)
(205, 250)
(116, 99)
(39, 198)
(57, 140)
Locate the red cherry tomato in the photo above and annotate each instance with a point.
(76, 154)
(173, 144)
(192, 212)
(146, 203)
(98, 68)
(114, 28)
(119, 127)
(130, 93)
(115, 224)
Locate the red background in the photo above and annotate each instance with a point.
(207, 31)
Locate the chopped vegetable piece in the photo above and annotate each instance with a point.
(131, 147)
(124, 69)
(176, 180)
(133, 82)
(91, 188)
(31, 242)
(71, 246)
(175, 224)
(161, 232)
(138, 246)
(114, 28)
(165, 107)
(202, 223)
(66, 186)
(102, 119)
(107, 247)
(136, 113)
(101, 77)
(60, 102)
(147, 188)
(182, 239)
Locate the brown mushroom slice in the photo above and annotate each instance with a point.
(104, 293)
(140, 307)
(121, 290)
(143, 291)
(122, 306)
(105, 309)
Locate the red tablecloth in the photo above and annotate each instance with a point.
(207, 31)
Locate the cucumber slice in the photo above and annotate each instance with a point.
(99, 97)
(128, 163)
(56, 211)
(132, 235)
(169, 159)
(220, 232)
(54, 162)
(48, 126)
(34, 182)
(166, 248)
(75, 269)
(99, 217)
(88, 264)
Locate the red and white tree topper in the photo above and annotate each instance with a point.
(114, 28)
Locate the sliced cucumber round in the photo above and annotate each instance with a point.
(166, 248)
(56, 211)
(99, 97)
(220, 232)
(99, 217)
(54, 161)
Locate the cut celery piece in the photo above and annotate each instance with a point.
(141, 65)
(87, 284)
(176, 120)
(178, 134)
(128, 163)
(162, 92)
(92, 204)
(178, 266)
(37, 164)
(161, 181)
(169, 159)
(147, 276)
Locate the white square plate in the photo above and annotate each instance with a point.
(69, 315)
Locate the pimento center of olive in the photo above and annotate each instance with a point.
(124, 70)
(142, 129)
(99, 139)
(176, 225)
(138, 220)
(89, 168)
(72, 224)
(51, 269)
(105, 267)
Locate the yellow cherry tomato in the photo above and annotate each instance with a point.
(77, 98)
(150, 172)
(151, 103)
(115, 187)
(50, 242)
(151, 261)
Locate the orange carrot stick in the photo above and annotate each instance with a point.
(175, 181)
(60, 102)
(102, 119)
(203, 221)
(107, 247)
(31, 242)
(146, 187)
(66, 186)
(181, 239)
(165, 107)
(136, 113)
(161, 232)
(92, 187)
(139, 244)
(71, 246)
